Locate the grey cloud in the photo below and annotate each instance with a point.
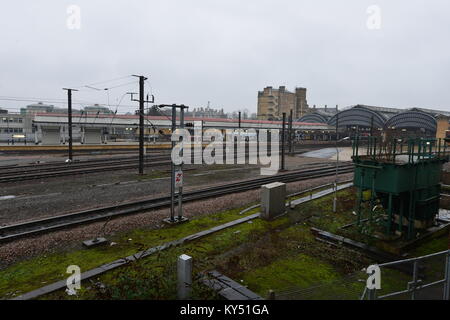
(225, 51)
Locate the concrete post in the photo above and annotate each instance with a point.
(184, 270)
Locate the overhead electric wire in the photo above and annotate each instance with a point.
(109, 88)
(97, 89)
(64, 103)
(101, 82)
(95, 119)
(110, 80)
(117, 107)
(81, 114)
(121, 85)
(162, 113)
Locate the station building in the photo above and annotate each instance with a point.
(52, 128)
(371, 120)
(45, 124)
(19, 127)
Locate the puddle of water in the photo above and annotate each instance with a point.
(42, 195)
(29, 197)
(322, 153)
(7, 197)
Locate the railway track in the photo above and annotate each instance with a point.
(53, 165)
(16, 173)
(48, 171)
(52, 174)
(45, 225)
(60, 163)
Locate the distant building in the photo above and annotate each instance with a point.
(194, 113)
(11, 125)
(206, 113)
(40, 107)
(97, 109)
(273, 102)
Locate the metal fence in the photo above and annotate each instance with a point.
(347, 288)
(421, 278)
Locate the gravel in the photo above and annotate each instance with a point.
(71, 238)
(29, 200)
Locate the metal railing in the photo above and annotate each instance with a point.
(346, 288)
(417, 288)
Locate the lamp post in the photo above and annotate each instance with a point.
(336, 175)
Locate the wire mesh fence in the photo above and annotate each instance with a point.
(421, 278)
(347, 288)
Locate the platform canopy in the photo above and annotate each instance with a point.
(313, 118)
(413, 119)
(361, 116)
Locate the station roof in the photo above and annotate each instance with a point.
(163, 121)
(381, 117)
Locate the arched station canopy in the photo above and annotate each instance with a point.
(413, 119)
(313, 118)
(359, 116)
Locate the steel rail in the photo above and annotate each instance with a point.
(77, 164)
(38, 171)
(25, 229)
(40, 175)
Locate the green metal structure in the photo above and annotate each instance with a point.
(404, 177)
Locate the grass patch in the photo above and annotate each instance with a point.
(158, 271)
(301, 271)
(37, 272)
(281, 255)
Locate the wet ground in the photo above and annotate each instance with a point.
(326, 153)
(345, 153)
(29, 159)
(28, 200)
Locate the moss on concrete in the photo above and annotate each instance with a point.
(37, 272)
(276, 255)
(203, 252)
(301, 271)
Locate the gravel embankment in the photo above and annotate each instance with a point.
(71, 238)
(29, 200)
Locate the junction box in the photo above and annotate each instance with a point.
(273, 197)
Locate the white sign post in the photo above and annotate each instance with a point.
(179, 179)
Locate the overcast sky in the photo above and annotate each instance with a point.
(224, 51)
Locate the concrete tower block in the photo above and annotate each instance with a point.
(273, 198)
